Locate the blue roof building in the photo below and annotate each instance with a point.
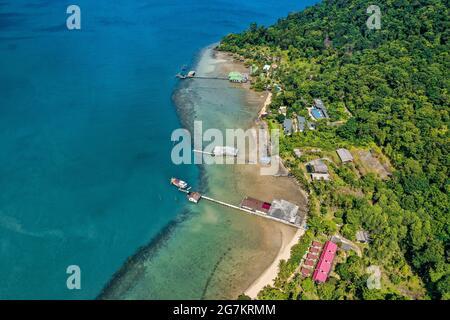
(317, 114)
(319, 110)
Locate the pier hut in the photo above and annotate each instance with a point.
(225, 151)
(221, 151)
(194, 197)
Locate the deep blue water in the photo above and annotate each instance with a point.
(85, 124)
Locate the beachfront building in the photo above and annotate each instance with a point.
(287, 126)
(225, 151)
(309, 263)
(344, 155)
(314, 250)
(301, 121)
(312, 256)
(255, 205)
(285, 210)
(325, 263)
(316, 244)
(237, 77)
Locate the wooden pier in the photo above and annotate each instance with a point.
(210, 78)
(250, 212)
(232, 206)
(233, 76)
(200, 77)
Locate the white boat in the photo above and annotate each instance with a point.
(179, 183)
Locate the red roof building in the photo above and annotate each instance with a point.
(316, 244)
(312, 256)
(314, 250)
(255, 205)
(325, 263)
(309, 263)
(306, 272)
(194, 197)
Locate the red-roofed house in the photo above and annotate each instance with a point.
(325, 263)
(314, 250)
(306, 272)
(312, 256)
(309, 263)
(316, 244)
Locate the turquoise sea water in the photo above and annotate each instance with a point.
(85, 124)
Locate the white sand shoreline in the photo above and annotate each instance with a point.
(269, 275)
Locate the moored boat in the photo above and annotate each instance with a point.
(179, 183)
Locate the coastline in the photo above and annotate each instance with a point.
(225, 252)
(266, 187)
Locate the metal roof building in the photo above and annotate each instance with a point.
(225, 151)
(287, 125)
(301, 123)
(285, 210)
(318, 166)
(344, 155)
(194, 197)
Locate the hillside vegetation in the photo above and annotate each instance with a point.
(387, 90)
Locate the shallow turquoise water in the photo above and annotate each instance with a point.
(85, 124)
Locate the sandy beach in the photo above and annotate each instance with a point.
(268, 276)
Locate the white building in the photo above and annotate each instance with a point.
(225, 151)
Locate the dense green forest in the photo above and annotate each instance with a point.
(394, 82)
